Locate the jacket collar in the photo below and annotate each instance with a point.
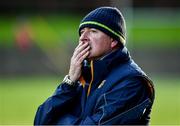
(101, 67)
(115, 58)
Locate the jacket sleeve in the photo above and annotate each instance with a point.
(48, 110)
(123, 104)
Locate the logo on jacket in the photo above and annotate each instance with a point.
(102, 83)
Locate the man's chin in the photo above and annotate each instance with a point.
(90, 58)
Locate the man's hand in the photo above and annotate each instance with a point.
(80, 53)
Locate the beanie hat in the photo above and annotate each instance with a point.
(108, 20)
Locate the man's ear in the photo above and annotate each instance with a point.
(114, 43)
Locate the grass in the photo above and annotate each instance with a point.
(20, 97)
(166, 109)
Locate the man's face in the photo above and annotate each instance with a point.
(100, 43)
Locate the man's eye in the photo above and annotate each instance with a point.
(93, 30)
(81, 32)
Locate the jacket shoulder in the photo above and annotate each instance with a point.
(128, 71)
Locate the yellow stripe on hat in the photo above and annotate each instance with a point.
(105, 27)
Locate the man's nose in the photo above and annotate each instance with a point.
(84, 37)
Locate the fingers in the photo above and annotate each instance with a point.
(80, 53)
(79, 45)
(83, 56)
(83, 52)
(80, 48)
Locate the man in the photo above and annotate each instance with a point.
(104, 85)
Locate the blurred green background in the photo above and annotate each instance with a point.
(37, 40)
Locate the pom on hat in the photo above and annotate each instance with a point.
(108, 20)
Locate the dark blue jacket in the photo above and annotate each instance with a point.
(114, 91)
